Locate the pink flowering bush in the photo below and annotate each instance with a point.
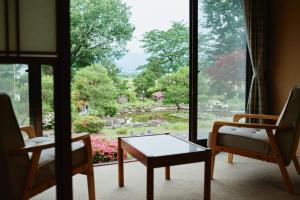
(104, 150)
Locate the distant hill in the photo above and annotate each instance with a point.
(131, 61)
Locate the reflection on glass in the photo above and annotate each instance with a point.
(160, 145)
(222, 62)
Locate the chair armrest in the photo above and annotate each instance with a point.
(219, 124)
(29, 130)
(47, 145)
(237, 117)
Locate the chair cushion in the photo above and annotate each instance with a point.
(46, 167)
(244, 138)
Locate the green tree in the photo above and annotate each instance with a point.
(168, 50)
(113, 72)
(47, 93)
(92, 86)
(100, 31)
(224, 24)
(145, 80)
(176, 87)
(222, 44)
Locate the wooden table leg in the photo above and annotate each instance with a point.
(167, 172)
(150, 180)
(120, 164)
(207, 178)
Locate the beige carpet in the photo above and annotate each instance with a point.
(245, 179)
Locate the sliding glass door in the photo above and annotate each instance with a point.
(221, 62)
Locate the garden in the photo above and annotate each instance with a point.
(108, 102)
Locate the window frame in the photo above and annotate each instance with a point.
(193, 87)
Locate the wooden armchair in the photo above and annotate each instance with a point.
(276, 143)
(28, 166)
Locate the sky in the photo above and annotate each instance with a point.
(146, 16)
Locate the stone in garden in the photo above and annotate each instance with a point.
(139, 124)
(119, 121)
(122, 99)
(155, 122)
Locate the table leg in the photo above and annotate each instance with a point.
(167, 172)
(207, 178)
(120, 164)
(150, 180)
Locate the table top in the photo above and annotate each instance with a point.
(162, 145)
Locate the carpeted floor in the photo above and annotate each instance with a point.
(244, 180)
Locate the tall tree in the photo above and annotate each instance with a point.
(223, 22)
(93, 87)
(145, 80)
(100, 30)
(176, 87)
(169, 49)
(228, 73)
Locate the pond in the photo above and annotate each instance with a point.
(172, 116)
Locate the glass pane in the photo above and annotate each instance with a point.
(222, 62)
(14, 82)
(160, 145)
(130, 70)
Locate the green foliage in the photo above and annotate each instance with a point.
(176, 87)
(138, 104)
(143, 82)
(113, 72)
(100, 31)
(110, 110)
(224, 21)
(168, 49)
(93, 87)
(125, 87)
(90, 124)
(47, 94)
(122, 131)
(168, 52)
(222, 46)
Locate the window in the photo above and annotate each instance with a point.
(14, 82)
(222, 62)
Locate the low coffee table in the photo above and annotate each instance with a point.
(163, 150)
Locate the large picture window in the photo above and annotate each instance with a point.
(221, 62)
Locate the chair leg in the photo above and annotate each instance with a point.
(296, 163)
(91, 184)
(286, 178)
(213, 157)
(230, 158)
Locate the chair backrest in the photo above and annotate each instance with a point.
(287, 140)
(13, 167)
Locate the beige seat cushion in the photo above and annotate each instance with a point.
(243, 138)
(46, 168)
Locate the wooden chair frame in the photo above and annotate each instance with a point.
(274, 156)
(86, 169)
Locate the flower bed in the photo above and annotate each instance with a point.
(104, 150)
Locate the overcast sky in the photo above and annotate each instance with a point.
(146, 16)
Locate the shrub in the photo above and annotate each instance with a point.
(110, 110)
(122, 131)
(48, 120)
(104, 150)
(90, 124)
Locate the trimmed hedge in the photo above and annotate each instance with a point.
(90, 124)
